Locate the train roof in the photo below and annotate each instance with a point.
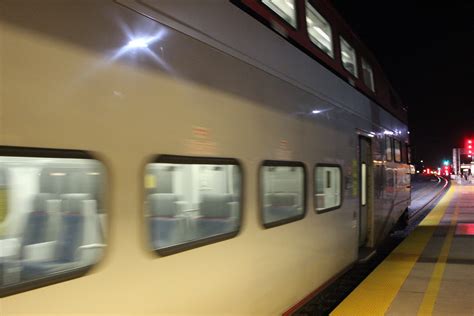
(297, 31)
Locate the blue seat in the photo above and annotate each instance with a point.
(281, 206)
(218, 215)
(47, 258)
(166, 227)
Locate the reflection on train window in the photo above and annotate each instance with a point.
(368, 75)
(319, 30)
(328, 184)
(348, 56)
(191, 201)
(53, 218)
(284, 8)
(388, 148)
(283, 192)
(408, 153)
(397, 150)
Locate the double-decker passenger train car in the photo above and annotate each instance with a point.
(189, 157)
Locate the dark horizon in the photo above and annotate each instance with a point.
(423, 50)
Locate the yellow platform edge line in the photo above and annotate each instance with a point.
(431, 293)
(376, 293)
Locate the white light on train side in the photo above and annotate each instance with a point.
(138, 43)
(388, 133)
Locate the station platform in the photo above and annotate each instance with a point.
(431, 272)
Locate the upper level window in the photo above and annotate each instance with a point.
(55, 224)
(397, 150)
(348, 56)
(284, 8)
(191, 201)
(328, 185)
(368, 75)
(319, 30)
(283, 192)
(388, 148)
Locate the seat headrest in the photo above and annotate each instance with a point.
(72, 202)
(283, 199)
(163, 204)
(216, 205)
(41, 199)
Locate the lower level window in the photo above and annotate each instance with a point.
(191, 201)
(52, 223)
(283, 192)
(328, 187)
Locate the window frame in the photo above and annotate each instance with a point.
(193, 160)
(311, 38)
(282, 19)
(390, 139)
(261, 202)
(341, 201)
(40, 152)
(356, 66)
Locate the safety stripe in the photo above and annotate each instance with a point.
(376, 293)
(431, 293)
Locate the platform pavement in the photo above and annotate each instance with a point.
(431, 272)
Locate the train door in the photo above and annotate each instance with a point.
(365, 187)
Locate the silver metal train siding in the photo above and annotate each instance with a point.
(205, 87)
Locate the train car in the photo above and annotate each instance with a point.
(189, 157)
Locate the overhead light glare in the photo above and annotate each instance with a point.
(138, 43)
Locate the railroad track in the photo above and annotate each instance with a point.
(414, 215)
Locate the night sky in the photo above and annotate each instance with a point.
(426, 50)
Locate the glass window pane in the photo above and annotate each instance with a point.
(408, 153)
(348, 56)
(319, 30)
(283, 193)
(368, 75)
(284, 8)
(388, 148)
(398, 153)
(191, 201)
(328, 187)
(53, 217)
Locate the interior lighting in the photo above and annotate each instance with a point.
(322, 33)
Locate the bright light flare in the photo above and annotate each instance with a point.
(138, 43)
(316, 111)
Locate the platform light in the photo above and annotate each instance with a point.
(316, 111)
(388, 132)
